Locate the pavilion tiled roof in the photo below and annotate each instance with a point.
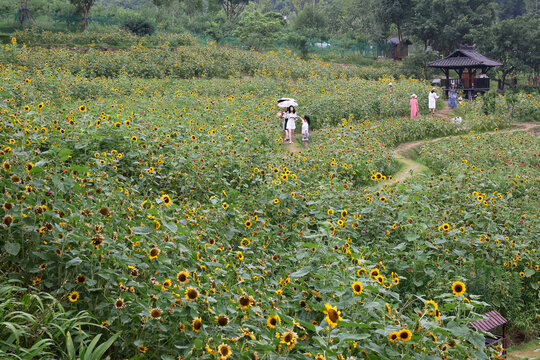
(465, 56)
(493, 320)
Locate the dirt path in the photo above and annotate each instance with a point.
(294, 147)
(411, 167)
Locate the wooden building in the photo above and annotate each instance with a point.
(398, 49)
(465, 61)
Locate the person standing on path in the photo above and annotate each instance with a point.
(414, 106)
(432, 101)
(291, 126)
(452, 97)
(305, 129)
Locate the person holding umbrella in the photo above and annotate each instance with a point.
(288, 122)
(291, 125)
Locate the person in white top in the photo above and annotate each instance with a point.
(291, 126)
(305, 129)
(432, 101)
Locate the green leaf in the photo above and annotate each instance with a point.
(300, 273)
(141, 230)
(171, 226)
(12, 248)
(74, 262)
(64, 154)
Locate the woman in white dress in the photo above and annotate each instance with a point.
(291, 126)
(432, 101)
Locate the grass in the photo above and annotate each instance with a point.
(529, 351)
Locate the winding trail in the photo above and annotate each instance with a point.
(411, 167)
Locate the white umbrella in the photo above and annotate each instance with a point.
(286, 102)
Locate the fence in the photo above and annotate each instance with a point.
(65, 22)
(57, 22)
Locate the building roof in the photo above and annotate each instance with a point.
(465, 56)
(395, 40)
(494, 319)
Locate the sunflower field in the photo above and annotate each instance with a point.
(151, 211)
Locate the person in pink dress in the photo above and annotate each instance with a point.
(414, 106)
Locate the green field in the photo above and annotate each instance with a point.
(148, 200)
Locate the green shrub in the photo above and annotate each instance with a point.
(140, 27)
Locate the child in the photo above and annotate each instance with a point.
(305, 129)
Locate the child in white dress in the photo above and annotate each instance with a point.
(305, 129)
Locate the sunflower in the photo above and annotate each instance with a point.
(40, 106)
(74, 296)
(289, 338)
(245, 301)
(248, 223)
(361, 271)
(239, 255)
(224, 351)
(225, 206)
(430, 306)
(8, 220)
(320, 357)
(29, 166)
(134, 138)
(82, 108)
(155, 313)
(81, 279)
(276, 201)
(192, 294)
(458, 288)
(437, 314)
(154, 252)
(222, 320)
(245, 242)
(432, 336)
(119, 303)
(393, 336)
(197, 324)
(330, 212)
(142, 349)
(374, 273)
(166, 199)
(183, 277)
(272, 321)
(404, 335)
(332, 315)
(357, 287)
(382, 198)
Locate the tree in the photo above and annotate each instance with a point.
(233, 8)
(397, 12)
(443, 24)
(258, 30)
(192, 7)
(23, 14)
(515, 42)
(311, 23)
(83, 7)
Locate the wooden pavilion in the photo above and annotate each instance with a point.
(465, 61)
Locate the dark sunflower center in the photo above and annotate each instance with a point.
(458, 288)
(197, 325)
(244, 300)
(394, 336)
(182, 277)
(154, 252)
(273, 321)
(156, 313)
(224, 351)
(119, 303)
(222, 320)
(357, 288)
(192, 294)
(288, 338)
(404, 335)
(333, 315)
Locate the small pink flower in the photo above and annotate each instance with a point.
(409, 270)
